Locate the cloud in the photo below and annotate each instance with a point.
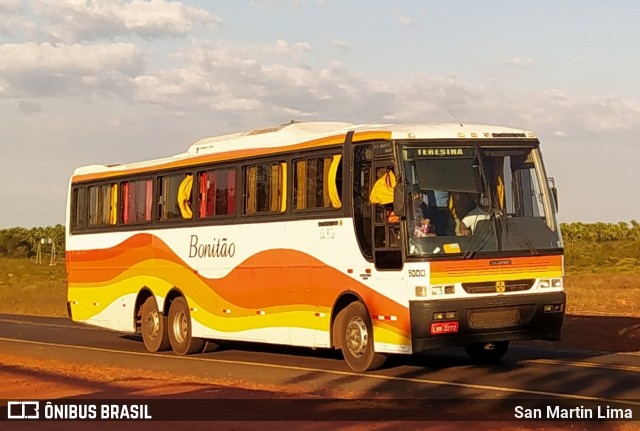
(283, 48)
(404, 20)
(610, 113)
(519, 62)
(584, 115)
(233, 79)
(9, 6)
(12, 20)
(29, 107)
(82, 20)
(43, 69)
(341, 45)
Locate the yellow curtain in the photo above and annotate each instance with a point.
(113, 209)
(334, 193)
(326, 167)
(251, 186)
(184, 197)
(283, 186)
(301, 184)
(500, 192)
(273, 189)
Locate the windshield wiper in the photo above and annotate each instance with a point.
(513, 227)
(478, 241)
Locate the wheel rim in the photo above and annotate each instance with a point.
(152, 324)
(357, 337)
(180, 327)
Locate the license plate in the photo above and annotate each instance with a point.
(444, 328)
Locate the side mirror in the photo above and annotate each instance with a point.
(399, 200)
(554, 194)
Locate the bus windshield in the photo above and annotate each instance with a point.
(474, 199)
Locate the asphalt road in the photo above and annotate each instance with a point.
(527, 371)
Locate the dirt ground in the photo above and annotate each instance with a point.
(27, 378)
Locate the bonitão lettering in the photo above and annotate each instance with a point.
(217, 247)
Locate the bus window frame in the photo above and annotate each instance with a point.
(121, 205)
(315, 155)
(278, 160)
(196, 189)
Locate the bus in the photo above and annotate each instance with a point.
(373, 239)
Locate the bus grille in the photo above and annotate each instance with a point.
(490, 286)
(500, 317)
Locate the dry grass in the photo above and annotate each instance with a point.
(30, 288)
(602, 293)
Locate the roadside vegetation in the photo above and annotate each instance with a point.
(602, 267)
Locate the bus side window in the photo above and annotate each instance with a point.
(136, 201)
(103, 201)
(79, 207)
(174, 193)
(315, 183)
(217, 191)
(265, 188)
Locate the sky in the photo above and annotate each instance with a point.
(114, 81)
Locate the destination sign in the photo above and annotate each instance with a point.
(442, 152)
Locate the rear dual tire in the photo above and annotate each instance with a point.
(179, 329)
(153, 327)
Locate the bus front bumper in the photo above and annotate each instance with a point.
(486, 320)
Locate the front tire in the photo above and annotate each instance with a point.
(153, 327)
(357, 339)
(487, 353)
(182, 342)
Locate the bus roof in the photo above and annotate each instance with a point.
(297, 136)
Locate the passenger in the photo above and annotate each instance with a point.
(469, 221)
(421, 214)
(425, 229)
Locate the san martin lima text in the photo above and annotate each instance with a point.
(581, 412)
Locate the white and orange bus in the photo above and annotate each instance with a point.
(373, 239)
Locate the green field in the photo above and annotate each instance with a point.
(601, 278)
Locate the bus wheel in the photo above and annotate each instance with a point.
(154, 327)
(487, 353)
(180, 337)
(357, 340)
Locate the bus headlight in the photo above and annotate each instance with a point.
(442, 290)
(421, 291)
(550, 282)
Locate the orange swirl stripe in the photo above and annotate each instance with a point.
(276, 280)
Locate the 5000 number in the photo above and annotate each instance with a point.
(417, 273)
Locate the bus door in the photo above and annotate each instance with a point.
(386, 244)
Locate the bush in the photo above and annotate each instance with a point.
(23, 242)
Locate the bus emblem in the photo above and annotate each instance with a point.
(500, 286)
